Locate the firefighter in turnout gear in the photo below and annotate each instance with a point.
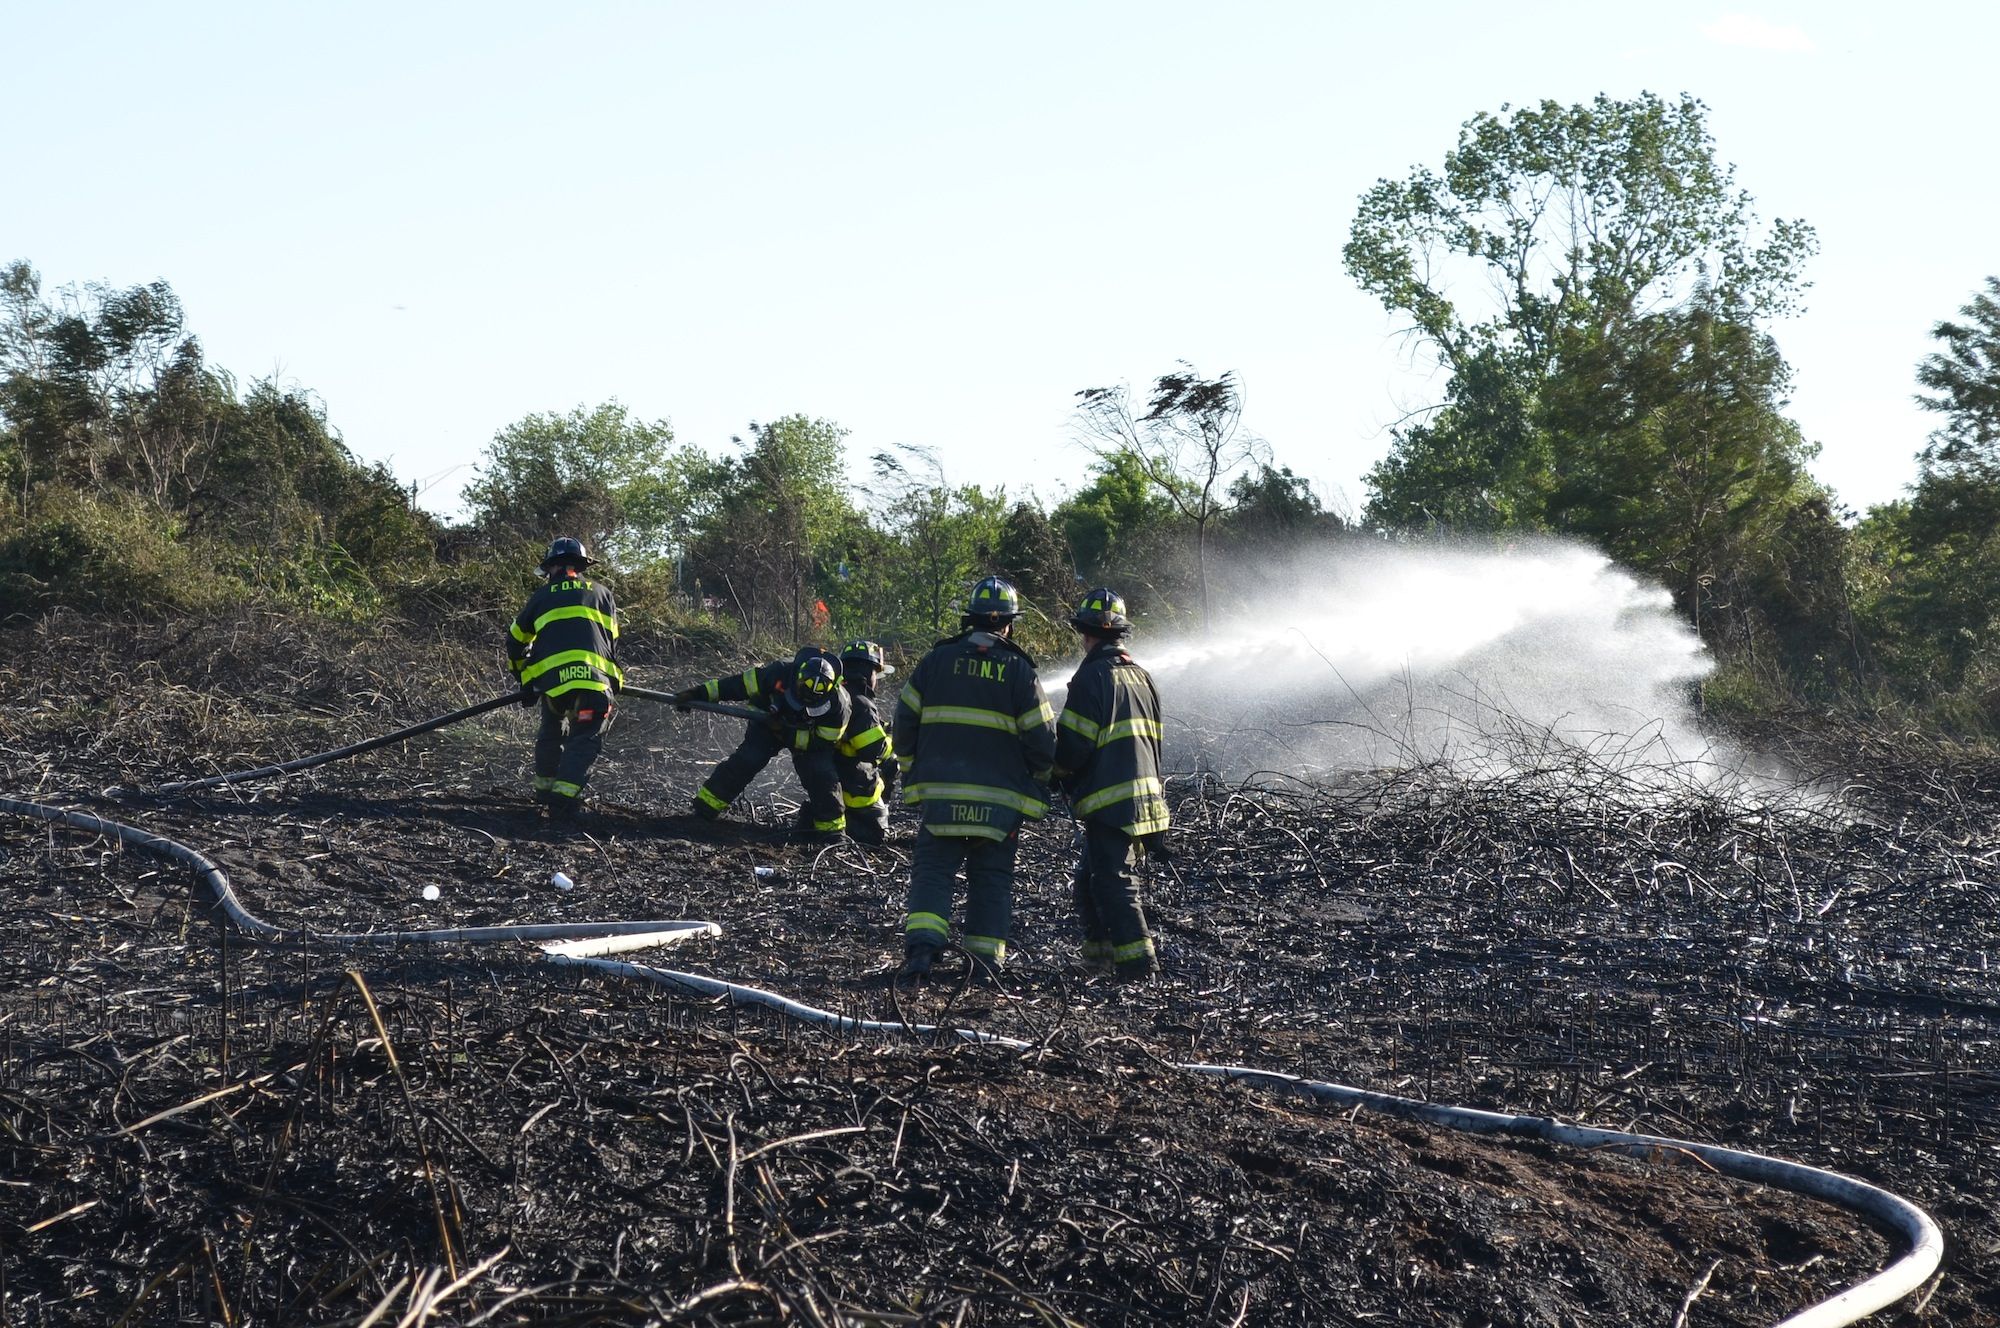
(562, 648)
(975, 736)
(1108, 761)
(864, 757)
(806, 713)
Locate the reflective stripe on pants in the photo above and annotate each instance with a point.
(1108, 895)
(989, 892)
(568, 744)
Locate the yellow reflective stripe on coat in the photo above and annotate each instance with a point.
(519, 635)
(912, 697)
(562, 657)
(1131, 788)
(749, 683)
(830, 732)
(1076, 723)
(865, 738)
(598, 616)
(1036, 718)
(998, 836)
(577, 685)
(973, 793)
(1130, 728)
(973, 715)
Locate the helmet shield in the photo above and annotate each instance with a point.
(1102, 613)
(993, 601)
(814, 678)
(863, 656)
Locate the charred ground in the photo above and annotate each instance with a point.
(1812, 982)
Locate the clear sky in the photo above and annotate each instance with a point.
(932, 223)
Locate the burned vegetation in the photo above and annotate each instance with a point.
(195, 1129)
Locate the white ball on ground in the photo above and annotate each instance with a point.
(432, 892)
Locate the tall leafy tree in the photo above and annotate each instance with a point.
(1187, 441)
(1964, 384)
(1938, 552)
(1549, 227)
(944, 534)
(766, 520)
(1271, 505)
(1107, 520)
(1035, 555)
(1670, 447)
(600, 474)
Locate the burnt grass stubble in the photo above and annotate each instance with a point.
(196, 1129)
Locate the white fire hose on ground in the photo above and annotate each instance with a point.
(580, 945)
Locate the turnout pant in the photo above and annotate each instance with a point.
(867, 803)
(1108, 901)
(821, 815)
(567, 745)
(989, 892)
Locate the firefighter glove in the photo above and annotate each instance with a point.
(527, 696)
(685, 696)
(1157, 847)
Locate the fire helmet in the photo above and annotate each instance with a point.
(857, 656)
(993, 602)
(566, 551)
(1101, 613)
(815, 674)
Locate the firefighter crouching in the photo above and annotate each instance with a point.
(562, 648)
(975, 735)
(863, 758)
(1108, 760)
(806, 714)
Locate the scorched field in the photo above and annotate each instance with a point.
(199, 1129)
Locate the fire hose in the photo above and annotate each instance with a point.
(413, 731)
(578, 944)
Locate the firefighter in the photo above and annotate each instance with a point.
(562, 648)
(1108, 761)
(863, 758)
(975, 736)
(806, 713)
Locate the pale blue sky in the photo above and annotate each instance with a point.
(930, 222)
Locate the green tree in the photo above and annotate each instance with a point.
(1106, 518)
(943, 535)
(1671, 448)
(1549, 227)
(1271, 505)
(765, 520)
(1187, 443)
(1936, 555)
(600, 474)
(1965, 378)
(1035, 555)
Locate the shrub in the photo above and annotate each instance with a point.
(115, 554)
